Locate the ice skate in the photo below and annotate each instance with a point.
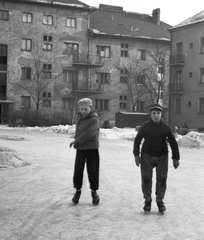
(95, 197)
(76, 197)
(161, 207)
(147, 206)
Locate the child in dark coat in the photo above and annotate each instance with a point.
(86, 144)
(154, 153)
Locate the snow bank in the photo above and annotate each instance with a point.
(10, 158)
(192, 140)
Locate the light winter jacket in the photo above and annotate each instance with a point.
(87, 131)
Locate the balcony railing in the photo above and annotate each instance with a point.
(176, 88)
(93, 89)
(88, 60)
(177, 59)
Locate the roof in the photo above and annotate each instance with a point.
(69, 3)
(199, 17)
(128, 24)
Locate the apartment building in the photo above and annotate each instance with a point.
(186, 104)
(40, 45)
(52, 53)
(122, 39)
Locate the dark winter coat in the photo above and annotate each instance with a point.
(155, 140)
(87, 131)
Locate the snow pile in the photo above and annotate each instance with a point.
(68, 129)
(192, 140)
(118, 133)
(10, 158)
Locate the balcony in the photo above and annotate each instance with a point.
(94, 89)
(177, 59)
(87, 60)
(176, 88)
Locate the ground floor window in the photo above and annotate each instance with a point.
(102, 104)
(25, 101)
(67, 103)
(123, 102)
(201, 106)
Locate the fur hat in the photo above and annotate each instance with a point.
(85, 101)
(156, 107)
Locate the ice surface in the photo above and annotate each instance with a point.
(36, 199)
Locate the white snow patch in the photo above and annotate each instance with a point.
(191, 140)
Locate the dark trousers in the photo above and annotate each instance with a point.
(147, 164)
(91, 159)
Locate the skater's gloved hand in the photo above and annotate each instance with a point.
(72, 143)
(137, 160)
(176, 163)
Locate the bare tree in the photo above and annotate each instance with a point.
(39, 76)
(145, 79)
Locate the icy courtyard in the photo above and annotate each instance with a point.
(36, 199)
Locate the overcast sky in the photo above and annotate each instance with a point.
(172, 12)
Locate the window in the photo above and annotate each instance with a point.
(46, 94)
(72, 77)
(202, 45)
(25, 101)
(26, 45)
(123, 102)
(71, 22)
(141, 79)
(103, 78)
(47, 71)
(46, 103)
(189, 104)
(190, 74)
(103, 52)
(177, 105)
(179, 85)
(3, 57)
(70, 48)
(2, 86)
(123, 75)
(179, 48)
(102, 104)
(201, 106)
(141, 54)
(48, 20)
(27, 17)
(140, 106)
(47, 43)
(67, 103)
(4, 15)
(191, 45)
(202, 75)
(124, 50)
(25, 73)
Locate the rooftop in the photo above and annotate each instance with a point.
(112, 20)
(199, 17)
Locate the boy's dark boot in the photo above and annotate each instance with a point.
(95, 197)
(76, 197)
(161, 207)
(147, 206)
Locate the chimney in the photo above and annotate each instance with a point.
(156, 15)
(110, 7)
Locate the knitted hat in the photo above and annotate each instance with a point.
(85, 101)
(156, 107)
